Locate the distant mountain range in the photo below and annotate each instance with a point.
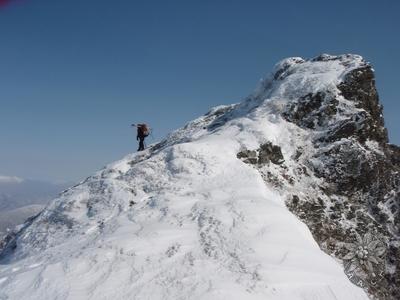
(9, 219)
(22, 198)
(16, 192)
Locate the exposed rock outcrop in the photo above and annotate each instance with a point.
(360, 179)
(352, 207)
(263, 155)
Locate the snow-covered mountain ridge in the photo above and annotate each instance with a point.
(204, 214)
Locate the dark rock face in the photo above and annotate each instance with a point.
(269, 152)
(248, 156)
(352, 206)
(359, 86)
(9, 243)
(263, 155)
(311, 110)
(360, 172)
(316, 111)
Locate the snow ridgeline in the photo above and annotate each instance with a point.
(186, 219)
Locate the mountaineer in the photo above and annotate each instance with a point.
(142, 132)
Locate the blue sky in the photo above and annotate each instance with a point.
(75, 74)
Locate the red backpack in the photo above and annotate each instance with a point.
(144, 129)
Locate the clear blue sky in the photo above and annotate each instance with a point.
(74, 74)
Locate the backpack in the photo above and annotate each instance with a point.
(144, 129)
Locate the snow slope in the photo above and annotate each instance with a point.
(186, 219)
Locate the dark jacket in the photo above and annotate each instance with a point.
(140, 134)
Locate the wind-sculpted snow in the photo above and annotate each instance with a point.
(187, 219)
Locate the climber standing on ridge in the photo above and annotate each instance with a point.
(142, 133)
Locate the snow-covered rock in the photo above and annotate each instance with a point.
(208, 212)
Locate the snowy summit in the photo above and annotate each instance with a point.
(213, 211)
